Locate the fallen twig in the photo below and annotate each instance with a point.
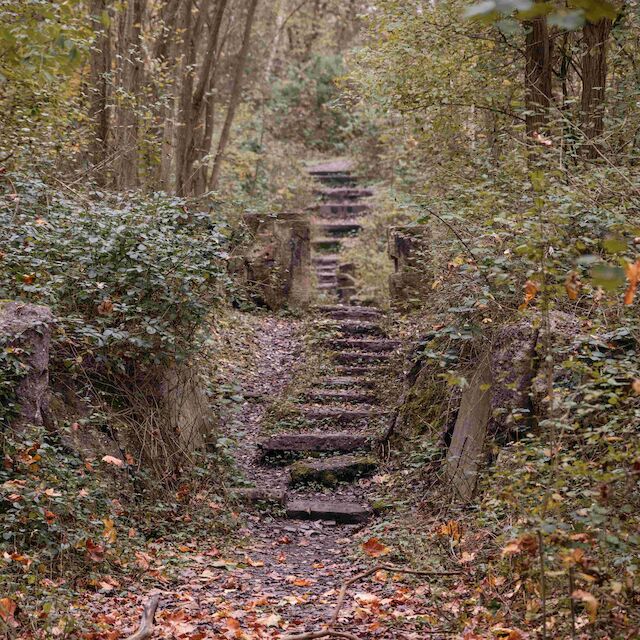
(146, 622)
(329, 631)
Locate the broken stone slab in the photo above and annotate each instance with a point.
(337, 165)
(358, 327)
(257, 494)
(360, 370)
(339, 228)
(358, 357)
(363, 344)
(343, 210)
(27, 328)
(346, 381)
(342, 416)
(314, 441)
(344, 193)
(341, 512)
(330, 471)
(348, 396)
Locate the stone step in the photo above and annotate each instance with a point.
(336, 178)
(348, 396)
(364, 345)
(327, 277)
(359, 328)
(341, 512)
(341, 228)
(339, 415)
(326, 259)
(360, 370)
(314, 441)
(344, 193)
(256, 494)
(343, 210)
(326, 243)
(349, 311)
(360, 357)
(348, 382)
(328, 286)
(330, 471)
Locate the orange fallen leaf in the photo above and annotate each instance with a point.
(531, 289)
(49, 516)
(636, 386)
(632, 270)
(374, 548)
(7, 612)
(105, 307)
(572, 285)
(590, 602)
(94, 551)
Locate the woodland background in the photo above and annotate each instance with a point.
(134, 135)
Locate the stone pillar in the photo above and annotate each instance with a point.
(409, 248)
(278, 263)
(25, 329)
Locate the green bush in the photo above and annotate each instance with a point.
(128, 278)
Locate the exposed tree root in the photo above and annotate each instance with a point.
(146, 622)
(329, 631)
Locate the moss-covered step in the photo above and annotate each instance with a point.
(349, 396)
(345, 382)
(349, 311)
(344, 193)
(359, 357)
(315, 442)
(339, 228)
(326, 243)
(342, 512)
(330, 471)
(366, 345)
(339, 415)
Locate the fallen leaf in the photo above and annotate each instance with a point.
(572, 285)
(272, 620)
(590, 602)
(374, 548)
(636, 386)
(531, 289)
(94, 551)
(7, 612)
(632, 271)
(109, 533)
(114, 461)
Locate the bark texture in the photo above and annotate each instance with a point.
(537, 75)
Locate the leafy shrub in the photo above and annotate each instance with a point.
(127, 278)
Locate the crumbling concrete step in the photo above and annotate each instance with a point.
(326, 259)
(314, 441)
(362, 344)
(342, 512)
(359, 357)
(339, 415)
(328, 286)
(343, 209)
(256, 494)
(330, 471)
(359, 327)
(345, 193)
(348, 396)
(344, 311)
(346, 382)
(326, 243)
(327, 277)
(360, 370)
(340, 228)
(336, 178)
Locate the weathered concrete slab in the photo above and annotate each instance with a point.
(466, 451)
(345, 193)
(343, 210)
(330, 471)
(348, 396)
(358, 327)
(339, 228)
(314, 441)
(357, 357)
(346, 382)
(342, 512)
(364, 345)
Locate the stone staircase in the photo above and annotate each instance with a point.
(341, 420)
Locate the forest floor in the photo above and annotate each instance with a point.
(276, 577)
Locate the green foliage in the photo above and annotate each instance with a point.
(126, 279)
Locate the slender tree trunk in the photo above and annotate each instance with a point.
(99, 85)
(537, 80)
(235, 94)
(594, 81)
(128, 80)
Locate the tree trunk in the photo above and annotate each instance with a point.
(100, 67)
(235, 94)
(128, 80)
(537, 75)
(594, 81)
